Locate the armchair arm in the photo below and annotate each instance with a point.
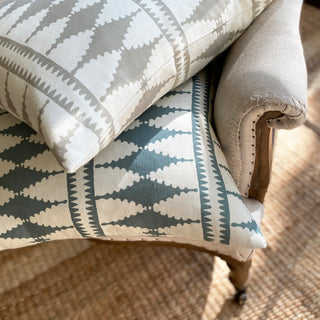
(264, 71)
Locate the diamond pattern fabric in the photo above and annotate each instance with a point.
(163, 179)
(80, 71)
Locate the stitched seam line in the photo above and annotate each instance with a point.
(301, 106)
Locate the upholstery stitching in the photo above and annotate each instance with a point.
(255, 103)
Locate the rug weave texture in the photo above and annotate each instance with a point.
(81, 279)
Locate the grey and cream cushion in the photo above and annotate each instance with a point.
(164, 178)
(79, 71)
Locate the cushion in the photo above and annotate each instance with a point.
(163, 179)
(79, 71)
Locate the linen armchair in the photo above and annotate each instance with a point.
(263, 87)
(257, 86)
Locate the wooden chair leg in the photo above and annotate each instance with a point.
(239, 276)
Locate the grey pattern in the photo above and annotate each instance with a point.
(80, 21)
(174, 35)
(113, 39)
(54, 13)
(97, 66)
(57, 72)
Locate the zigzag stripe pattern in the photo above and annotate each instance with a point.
(222, 192)
(82, 202)
(91, 201)
(202, 177)
(73, 206)
(61, 75)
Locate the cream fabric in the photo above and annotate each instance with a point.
(264, 71)
(163, 179)
(80, 71)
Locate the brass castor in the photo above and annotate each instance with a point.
(241, 296)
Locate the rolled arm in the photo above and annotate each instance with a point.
(264, 72)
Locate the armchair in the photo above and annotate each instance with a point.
(262, 86)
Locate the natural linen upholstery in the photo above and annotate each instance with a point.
(79, 71)
(163, 179)
(264, 71)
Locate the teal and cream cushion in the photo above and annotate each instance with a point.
(164, 178)
(80, 71)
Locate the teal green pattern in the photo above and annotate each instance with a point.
(91, 201)
(74, 211)
(203, 190)
(22, 206)
(162, 178)
(222, 192)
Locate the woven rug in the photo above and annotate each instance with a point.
(96, 280)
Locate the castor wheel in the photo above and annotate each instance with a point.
(241, 296)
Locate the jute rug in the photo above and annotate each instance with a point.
(96, 280)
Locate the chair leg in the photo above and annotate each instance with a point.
(239, 276)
